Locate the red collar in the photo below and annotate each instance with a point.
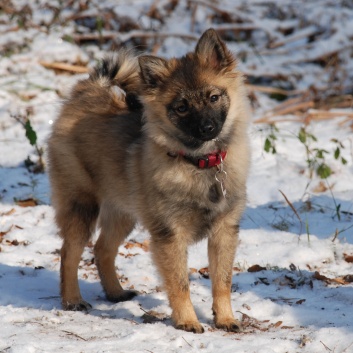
(203, 162)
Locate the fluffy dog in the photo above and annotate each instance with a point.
(163, 143)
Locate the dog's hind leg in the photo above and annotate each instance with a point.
(76, 223)
(221, 251)
(115, 227)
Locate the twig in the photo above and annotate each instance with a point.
(132, 321)
(290, 205)
(74, 334)
(124, 37)
(269, 89)
(293, 108)
(345, 350)
(328, 349)
(50, 297)
(324, 114)
(337, 232)
(294, 210)
(321, 57)
(223, 13)
(186, 341)
(64, 67)
(335, 236)
(306, 32)
(275, 121)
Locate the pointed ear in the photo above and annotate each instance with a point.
(154, 70)
(213, 52)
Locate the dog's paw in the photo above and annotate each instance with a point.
(229, 325)
(194, 327)
(122, 296)
(82, 305)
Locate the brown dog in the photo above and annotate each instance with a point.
(177, 164)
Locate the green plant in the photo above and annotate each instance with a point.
(31, 135)
(337, 152)
(315, 157)
(270, 141)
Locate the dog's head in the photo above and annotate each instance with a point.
(192, 103)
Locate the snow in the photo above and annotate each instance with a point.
(284, 307)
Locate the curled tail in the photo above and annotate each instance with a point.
(112, 87)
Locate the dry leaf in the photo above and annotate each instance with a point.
(278, 324)
(338, 280)
(348, 278)
(135, 244)
(348, 258)
(246, 306)
(5, 232)
(256, 268)
(8, 213)
(27, 202)
(319, 277)
(150, 317)
(300, 301)
(204, 272)
(321, 187)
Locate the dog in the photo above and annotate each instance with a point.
(163, 143)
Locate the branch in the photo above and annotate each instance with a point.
(64, 67)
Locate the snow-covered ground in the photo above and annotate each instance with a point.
(293, 273)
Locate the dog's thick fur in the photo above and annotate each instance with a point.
(117, 162)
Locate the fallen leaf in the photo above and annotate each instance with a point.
(320, 277)
(256, 268)
(204, 272)
(300, 301)
(321, 187)
(278, 324)
(27, 202)
(348, 258)
(5, 232)
(8, 213)
(150, 317)
(348, 278)
(246, 306)
(135, 244)
(338, 280)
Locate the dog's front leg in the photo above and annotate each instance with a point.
(170, 255)
(221, 251)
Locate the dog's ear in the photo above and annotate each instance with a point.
(154, 70)
(213, 52)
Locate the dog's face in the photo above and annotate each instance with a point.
(187, 101)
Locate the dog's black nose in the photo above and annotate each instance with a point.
(207, 128)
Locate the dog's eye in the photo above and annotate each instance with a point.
(214, 98)
(182, 108)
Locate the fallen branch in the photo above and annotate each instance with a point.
(314, 114)
(64, 67)
(306, 32)
(287, 110)
(273, 90)
(124, 37)
(227, 16)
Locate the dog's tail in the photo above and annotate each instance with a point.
(112, 87)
